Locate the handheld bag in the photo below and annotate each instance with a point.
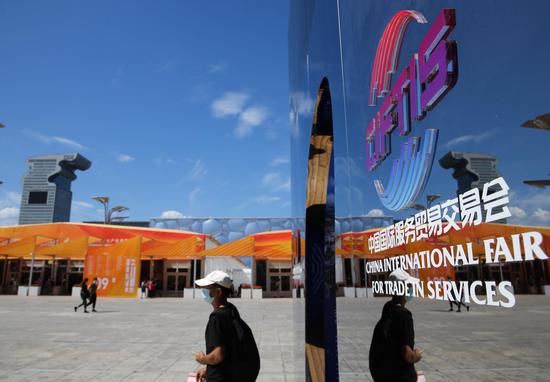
(247, 358)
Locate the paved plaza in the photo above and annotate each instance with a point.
(43, 339)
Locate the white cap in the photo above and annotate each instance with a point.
(400, 275)
(216, 277)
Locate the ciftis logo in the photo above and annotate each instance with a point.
(430, 74)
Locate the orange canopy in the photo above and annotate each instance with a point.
(178, 250)
(73, 240)
(274, 245)
(20, 248)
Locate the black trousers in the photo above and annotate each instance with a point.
(93, 299)
(84, 302)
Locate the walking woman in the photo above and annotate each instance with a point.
(93, 294)
(84, 295)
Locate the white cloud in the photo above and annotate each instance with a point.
(264, 199)
(517, 212)
(161, 160)
(229, 104)
(9, 208)
(124, 158)
(274, 181)
(10, 199)
(9, 216)
(376, 213)
(167, 67)
(530, 206)
(302, 103)
(475, 138)
(541, 215)
(49, 140)
(232, 104)
(81, 204)
(194, 197)
(217, 68)
(535, 198)
(249, 118)
(171, 214)
(198, 170)
(280, 161)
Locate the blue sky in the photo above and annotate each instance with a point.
(181, 106)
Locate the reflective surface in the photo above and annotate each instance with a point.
(502, 52)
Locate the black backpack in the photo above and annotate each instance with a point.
(381, 350)
(246, 358)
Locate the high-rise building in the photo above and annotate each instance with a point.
(472, 170)
(46, 195)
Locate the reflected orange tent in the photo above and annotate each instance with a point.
(470, 234)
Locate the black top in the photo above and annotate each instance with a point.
(84, 290)
(220, 332)
(93, 289)
(394, 330)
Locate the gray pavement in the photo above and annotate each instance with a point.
(43, 339)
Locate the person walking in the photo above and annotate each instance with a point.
(93, 294)
(150, 289)
(231, 351)
(456, 299)
(392, 353)
(143, 289)
(84, 295)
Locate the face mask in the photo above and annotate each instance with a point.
(206, 296)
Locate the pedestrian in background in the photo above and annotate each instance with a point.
(143, 289)
(84, 295)
(457, 299)
(93, 294)
(150, 288)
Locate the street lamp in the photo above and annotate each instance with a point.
(117, 209)
(104, 200)
(431, 198)
(541, 122)
(419, 207)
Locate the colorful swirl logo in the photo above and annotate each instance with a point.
(428, 77)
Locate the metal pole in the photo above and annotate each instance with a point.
(6, 269)
(30, 274)
(194, 275)
(353, 276)
(54, 272)
(107, 217)
(252, 266)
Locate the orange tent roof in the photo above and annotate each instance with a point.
(72, 230)
(266, 245)
(73, 239)
(74, 249)
(181, 249)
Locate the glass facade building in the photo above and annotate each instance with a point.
(409, 109)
